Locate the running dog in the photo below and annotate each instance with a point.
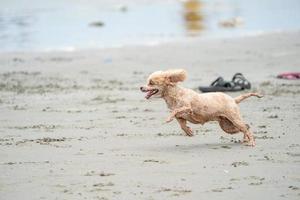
(187, 105)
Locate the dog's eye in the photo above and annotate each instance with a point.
(151, 82)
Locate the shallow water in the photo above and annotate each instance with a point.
(34, 25)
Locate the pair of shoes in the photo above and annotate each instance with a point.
(238, 83)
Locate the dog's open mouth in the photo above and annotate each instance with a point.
(150, 93)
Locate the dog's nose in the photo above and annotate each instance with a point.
(141, 88)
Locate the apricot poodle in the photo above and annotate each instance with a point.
(197, 108)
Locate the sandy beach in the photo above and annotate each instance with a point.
(74, 125)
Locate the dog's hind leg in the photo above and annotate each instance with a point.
(227, 126)
(236, 125)
(244, 128)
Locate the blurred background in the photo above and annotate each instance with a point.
(35, 25)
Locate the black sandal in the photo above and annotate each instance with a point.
(240, 80)
(238, 83)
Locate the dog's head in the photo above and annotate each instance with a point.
(159, 81)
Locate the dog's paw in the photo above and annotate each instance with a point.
(189, 132)
(251, 143)
(245, 141)
(169, 119)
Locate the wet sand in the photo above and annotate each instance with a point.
(74, 125)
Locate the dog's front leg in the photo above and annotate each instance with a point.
(182, 122)
(178, 111)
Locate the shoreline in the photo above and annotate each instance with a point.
(178, 41)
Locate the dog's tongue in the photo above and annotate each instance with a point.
(148, 95)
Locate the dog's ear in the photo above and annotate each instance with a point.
(175, 75)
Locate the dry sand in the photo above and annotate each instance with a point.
(75, 125)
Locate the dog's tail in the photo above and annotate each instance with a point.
(245, 96)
